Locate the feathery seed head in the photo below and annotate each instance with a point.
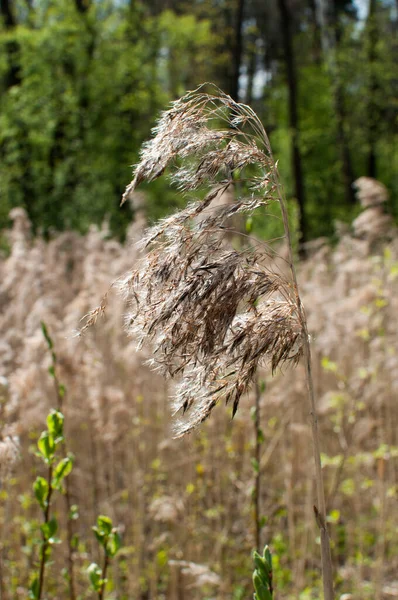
(213, 313)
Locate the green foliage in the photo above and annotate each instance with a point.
(107, 536)
(95, 575)
(90, 86)
(33, 593)
(90, 89)
(51, 438)
(46, 447)
(63, 469)
(48, 444)
(55, 424)
(40, 488)
(262, 575)
(109, 539)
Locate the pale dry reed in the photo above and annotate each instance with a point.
(9, 453)
(121, 436)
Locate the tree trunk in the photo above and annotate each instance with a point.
(251, 68)
(13, 74)
(82, 6)
(347, 170)
(7, 13)
(316, 32)
(373, 88)
(330, 40)
(293, 122)
(237, 51)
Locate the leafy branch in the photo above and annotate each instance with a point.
(109, 538)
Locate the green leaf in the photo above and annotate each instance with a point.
(47, 335)
(103, 529)
(263, 521)
(63, 468)
(49, 529)
(47, 553)
(95, 575)
(55, 424)
(262, 593)
(268, 557)
(34, 589)
(104, 524)
(46, 445)
(262, 576)
(255, 465)
(262, 568)
(258, 560)
(40, 489)
(114, 543)
(260, 436)
(249, 225)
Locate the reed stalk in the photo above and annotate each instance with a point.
(214, 314)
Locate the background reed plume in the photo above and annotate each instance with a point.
(212, 311)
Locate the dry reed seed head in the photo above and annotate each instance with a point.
(201, 575)
(213, 313)
(187, 131)
(166, 509)
(9, 454)
(270, 336)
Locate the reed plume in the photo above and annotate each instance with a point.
(214, 313)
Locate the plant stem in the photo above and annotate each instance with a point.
(2, 588)
(320, 513)
(103, 576)
(45, 542)
(69, 526)
(257, 480)
(69, 533)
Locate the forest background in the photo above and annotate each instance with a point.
(82, 83)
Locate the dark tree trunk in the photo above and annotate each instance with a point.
(331, 35)
(251, 68)
(373, 88)
(293, 122)
(347, 170)
(237, 51)
(7, 13)
(13, 74)
(82, 6)
(316, 32)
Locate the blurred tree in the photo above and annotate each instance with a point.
(12, 75)
(237, 49)
(286, 28)
(373, 116)
(332, 55)
(82, 82)
(93, 78)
